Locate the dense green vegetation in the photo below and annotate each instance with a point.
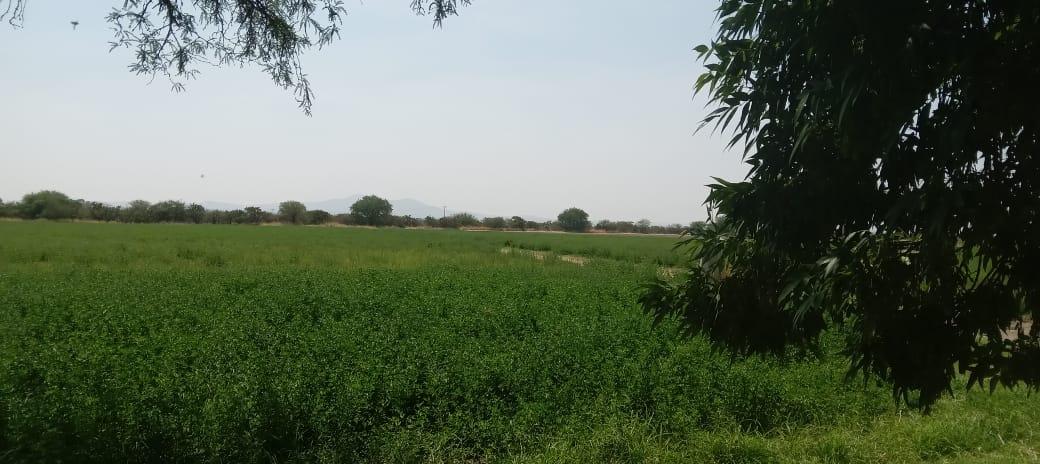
(300, 344)
(371, 210)
(574, 220)
(892, 171)
(654, 249)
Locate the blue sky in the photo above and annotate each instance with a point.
(514, 107)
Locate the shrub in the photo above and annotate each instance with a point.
(47, 204)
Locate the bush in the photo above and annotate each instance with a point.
(404, 221)
(47, 204)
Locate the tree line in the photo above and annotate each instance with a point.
(370, 210)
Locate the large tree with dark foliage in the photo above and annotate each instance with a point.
(318, 217)
(892, 189)
(371, 210)
(290, 212)
(574, 220)
(47, 204)
(172, 37)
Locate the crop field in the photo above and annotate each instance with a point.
(186, 343)
(635, 248)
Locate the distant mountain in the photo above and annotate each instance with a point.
(417, 209)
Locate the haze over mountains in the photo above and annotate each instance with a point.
(402, 207)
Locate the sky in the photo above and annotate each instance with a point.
(513, 107)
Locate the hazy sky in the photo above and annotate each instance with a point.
(514, 107)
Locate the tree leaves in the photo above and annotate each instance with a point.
(891, 189)
(171, 38)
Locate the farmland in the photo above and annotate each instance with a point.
(312, 344)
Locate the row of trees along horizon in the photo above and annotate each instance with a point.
(370, 210)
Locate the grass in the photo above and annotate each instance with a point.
(296, 344)
(652, 249)
(180, 245)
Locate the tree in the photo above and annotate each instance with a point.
(98, 211)
(344, 218)
(136, 212)
(167, 211)
(255, 215)
(517, 222)
(195, 213)
(497, 222)
(292, 212)
(891, 190)
(464, 220)
(674, 229)
(643, 226)
(236, 216)
(696, 227)
(214, 216)
(170, 38)
(371, 210)
(625, 227)
(318, 217)
(574, 220)
(47, 204)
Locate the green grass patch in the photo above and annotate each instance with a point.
(299, 344)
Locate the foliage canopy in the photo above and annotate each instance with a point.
(171, 38)
(292, 212)
(371, 210)
(892, 187)
(318, 217)
(574, 220)
(47, 204)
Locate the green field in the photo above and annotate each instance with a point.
(183, 343)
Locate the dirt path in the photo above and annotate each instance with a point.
(543, 255)
(666, 272)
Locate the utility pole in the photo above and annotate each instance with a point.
(444, 211)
